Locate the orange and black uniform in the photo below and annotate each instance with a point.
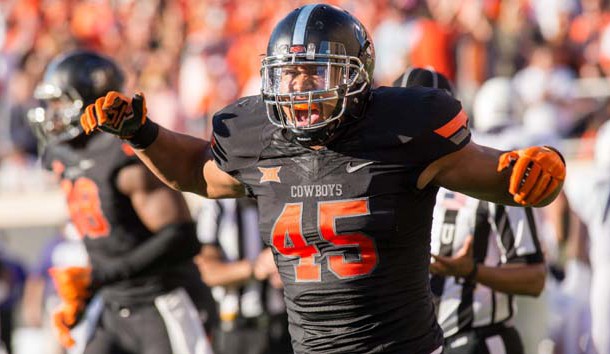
(349, 228)
(131, 266)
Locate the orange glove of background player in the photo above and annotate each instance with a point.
(116, 114)
(73, 287)
(64, 318)
(72, 283)
(537, 172)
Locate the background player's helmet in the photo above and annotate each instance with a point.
(325, 43)
(70, 83)
(425, 77)
(495, 105)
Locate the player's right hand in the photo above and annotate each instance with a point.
(116, 114)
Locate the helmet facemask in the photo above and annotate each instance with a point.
(57, 118)
(307, 88)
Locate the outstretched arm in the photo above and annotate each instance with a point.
(185, 163)
(529, 177)
(181, 161)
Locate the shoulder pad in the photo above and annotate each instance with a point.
(424, 123)
(414, 111)
(240, 133)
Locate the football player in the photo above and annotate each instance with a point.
(138, 232)
(345, 177)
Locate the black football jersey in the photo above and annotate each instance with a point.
(349, 228)
(106, 219)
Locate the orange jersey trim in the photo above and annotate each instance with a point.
(127, 149)
(447, 130)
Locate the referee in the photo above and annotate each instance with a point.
(483, 255)
(244, 279)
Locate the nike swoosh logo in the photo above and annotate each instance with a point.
(353, 168)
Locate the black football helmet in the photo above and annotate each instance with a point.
(426, 77)
(318, 68)
(70, 83)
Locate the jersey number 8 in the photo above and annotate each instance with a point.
(85, 207)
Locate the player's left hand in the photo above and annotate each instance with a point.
(72, 283)
(536, 174)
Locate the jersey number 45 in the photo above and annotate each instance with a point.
(289, 226)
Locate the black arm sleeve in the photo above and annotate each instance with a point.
(173, 244)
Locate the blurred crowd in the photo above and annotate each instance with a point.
(540, 64)
(193, 57)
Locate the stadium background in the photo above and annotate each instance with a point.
(192, 57)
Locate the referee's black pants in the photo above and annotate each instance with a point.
(493, 339)
(262, 335)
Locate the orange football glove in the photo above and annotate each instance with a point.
(61, 331)
(72, 283)
(116, 114)
(64, 318)
(537, 171)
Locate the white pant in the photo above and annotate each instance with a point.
(183, 324)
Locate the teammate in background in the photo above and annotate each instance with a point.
(244, 278)
(484, 253)
(345, 177)
(138, 233)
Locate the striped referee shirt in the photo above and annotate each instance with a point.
(232, 226)
(502, 235)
